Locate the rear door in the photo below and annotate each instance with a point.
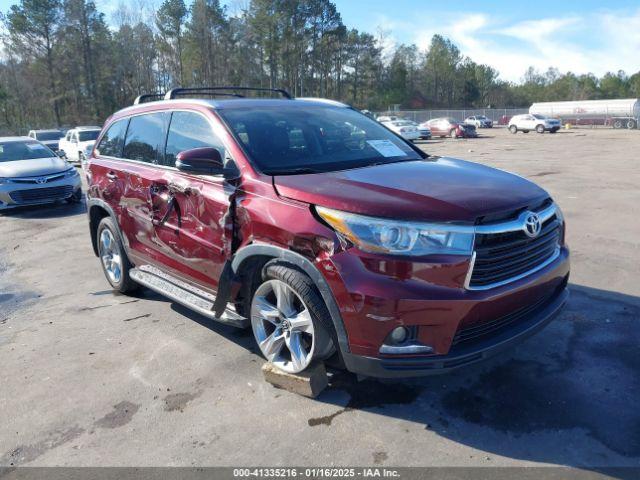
(191, 213)
(141, 169)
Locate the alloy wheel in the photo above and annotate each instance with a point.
(110, 256)
(282, 326)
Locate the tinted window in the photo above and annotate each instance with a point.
(113, 140)
(145, 138)
(87, 135)
(10, 151)
(189, 130)
(303, 139)
(48, 135)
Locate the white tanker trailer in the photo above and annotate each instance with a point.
(621, 113)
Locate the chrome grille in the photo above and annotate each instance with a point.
(504, 256)
(41, 194)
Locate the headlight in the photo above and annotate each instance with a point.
(380, 235)
(72, 172)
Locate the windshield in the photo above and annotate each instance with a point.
(10, 151)
(57, 135)
(87, 135)
(313, 139)
(539, 117)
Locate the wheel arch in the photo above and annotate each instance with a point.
(252, 255)
(97, 210)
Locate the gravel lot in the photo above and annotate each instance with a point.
(90, 378)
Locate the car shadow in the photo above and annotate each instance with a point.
(566, 396)
(58, 209)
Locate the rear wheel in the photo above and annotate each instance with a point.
(617, 124)
(513, 129)
(631, 124)
(540, 128)
(290, 320)
(114, 260)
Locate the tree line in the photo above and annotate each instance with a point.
(65, 64)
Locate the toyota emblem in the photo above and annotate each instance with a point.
(532, 225)
(41, 180)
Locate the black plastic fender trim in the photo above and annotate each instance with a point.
(306, 266)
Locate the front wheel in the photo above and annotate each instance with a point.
(289, 319)
(540, 128)
(513, 129)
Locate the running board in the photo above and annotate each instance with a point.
(185, 294)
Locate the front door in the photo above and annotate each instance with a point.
(191, 213)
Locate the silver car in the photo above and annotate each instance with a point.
(31, 174)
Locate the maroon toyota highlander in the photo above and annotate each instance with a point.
(329, 235)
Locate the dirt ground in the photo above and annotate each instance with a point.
(92, 378)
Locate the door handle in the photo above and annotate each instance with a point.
(112, 177)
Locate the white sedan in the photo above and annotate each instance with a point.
(404, 128)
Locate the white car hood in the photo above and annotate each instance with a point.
(33, 168)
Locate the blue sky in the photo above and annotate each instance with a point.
(577, 35)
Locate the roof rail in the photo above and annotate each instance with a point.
(148, 97)
(222, 91)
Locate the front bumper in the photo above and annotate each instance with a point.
(457, 357)
(24, 194)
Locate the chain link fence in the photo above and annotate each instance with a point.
(497, 115)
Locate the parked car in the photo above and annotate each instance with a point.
(406, 129)
(479, 121)
(388, 118)
(265, 213)
(77, 140)
(31, 174)
(51, 138)
(504, 120)
(527, 122)
(425, 131)
(450, 127)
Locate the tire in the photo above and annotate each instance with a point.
(513, 129)
(553, 130)
(631, 124)
(617, 124)
(113, 257)
(287, 337)
(540, 128)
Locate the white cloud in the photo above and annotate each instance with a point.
(595, 42)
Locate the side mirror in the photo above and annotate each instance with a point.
(200, 161)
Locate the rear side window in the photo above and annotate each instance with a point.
(189, 130)
(113, 140)
(145, 138)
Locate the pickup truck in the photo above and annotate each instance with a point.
(76, 141)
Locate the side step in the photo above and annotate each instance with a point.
(185, 294)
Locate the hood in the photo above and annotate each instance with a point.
(437, 189)
(50, 142)
(33, 168)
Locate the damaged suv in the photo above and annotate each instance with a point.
(330, 236)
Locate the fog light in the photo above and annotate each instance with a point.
(398, 335)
